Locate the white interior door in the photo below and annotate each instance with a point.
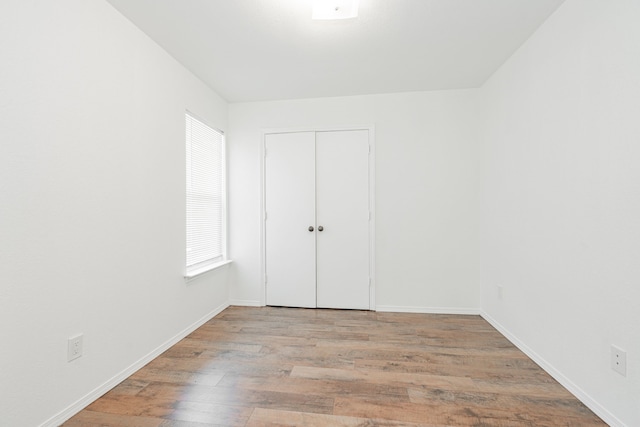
(342, 200)
(290, 248)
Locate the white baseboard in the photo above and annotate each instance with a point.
(427, 310)
(589, 402)
(245, 303)
(83, 402)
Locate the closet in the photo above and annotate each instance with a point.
(317, 226)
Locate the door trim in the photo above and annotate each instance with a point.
(372, 202)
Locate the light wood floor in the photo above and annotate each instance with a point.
(299, 367)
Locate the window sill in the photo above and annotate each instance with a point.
(197, 273)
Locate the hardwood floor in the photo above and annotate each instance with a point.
(273, 366)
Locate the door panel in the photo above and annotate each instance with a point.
(342, 197)
(290, 207)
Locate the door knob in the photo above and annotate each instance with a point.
(311, 228)
(320, 228)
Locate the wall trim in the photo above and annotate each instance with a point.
(93, 395)
(428, 310)
(246, 303)
(589, 402)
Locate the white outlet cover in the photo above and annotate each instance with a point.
(74, 347)
(619, 360)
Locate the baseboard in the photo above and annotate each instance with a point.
(83, 402)
(245, 303)
(589, 402)
(427, 310)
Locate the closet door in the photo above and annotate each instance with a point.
(290, 258)
(342, 197)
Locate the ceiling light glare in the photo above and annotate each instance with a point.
(334, 9)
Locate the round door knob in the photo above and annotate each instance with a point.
(320, 228)
(311, 228)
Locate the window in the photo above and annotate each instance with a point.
(206, 234)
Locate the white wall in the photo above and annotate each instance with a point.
(92, 232)
(426, 192)
(561, 215)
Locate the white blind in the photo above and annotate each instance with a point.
(205, 194)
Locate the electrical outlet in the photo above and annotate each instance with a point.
(74, 348)
(619, 360)
(500, 292)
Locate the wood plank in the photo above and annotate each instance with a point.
(320, 387)
(89, 418)
(381, 377)
(269, 418)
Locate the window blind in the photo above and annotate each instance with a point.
(205, 195)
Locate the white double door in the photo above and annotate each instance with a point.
(317, 219)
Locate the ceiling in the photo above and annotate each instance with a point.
(254, 50)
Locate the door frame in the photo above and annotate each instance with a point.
(372, 202)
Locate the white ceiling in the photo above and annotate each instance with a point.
(251, 50)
